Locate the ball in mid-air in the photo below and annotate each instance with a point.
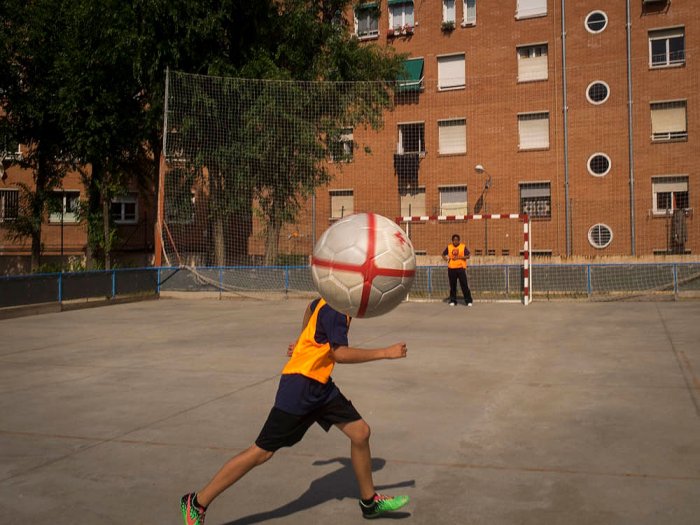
(363, 265)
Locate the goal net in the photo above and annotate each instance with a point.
(253, 172)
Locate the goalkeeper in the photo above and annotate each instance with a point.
(456, 255)
(308, 395)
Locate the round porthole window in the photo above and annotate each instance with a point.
(597, 92)
(596, 21)
(599, 164)
(600, 236)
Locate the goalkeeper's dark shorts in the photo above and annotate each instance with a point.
(283, 429)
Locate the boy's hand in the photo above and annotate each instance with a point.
(290, 349)
(396, 351)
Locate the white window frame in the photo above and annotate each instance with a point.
(671, 184)
(67, 216)
(449, 14)
(4, 207)
(122, 201)
(529, 142)
(346, 141)
(452, 141)
(400, 19)
(371, 33)
(537, 58)
(671, 131)
(599, 154)
(600, 225)
(458, 81)
(667, 35)
(587, 19)
(588, 92)
(530, 9)
(421, 140)
(341, 198)
(454, 207)
(536, 191)
(468, 13)
(410, 197)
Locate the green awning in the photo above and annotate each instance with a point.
(397, 2)
(412, 77)
(367, 5)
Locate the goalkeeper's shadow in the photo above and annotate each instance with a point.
(339, 484)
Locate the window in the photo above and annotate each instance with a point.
(599, 164)
(668, 121)
(669, 194)
(600, 235)
(180, 204)
(536, 199)
(124, 209)
(597, 92)
(452, 136)
(411, 138)
(469, 13)
(534, 130)
(9, 205)
(449, 11)
(531, 8)
(342, 146)
(411, 78)
(367, 20)
(11, 150)
(342, 203)
(451, 72)
(667, 47)
(63, 206)
(413, 203)
(532, 63)
(596, 21)
(401, 15)
(453, 200)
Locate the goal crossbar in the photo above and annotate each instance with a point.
(523, 218)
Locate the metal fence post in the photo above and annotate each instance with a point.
(286, 279)
(588, 281)
(675, 281)
(158, 281)
(114, 283)
(430, 282)
(60, 288)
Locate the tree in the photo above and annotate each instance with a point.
(102, 110)
(29, 51)
(275, 166)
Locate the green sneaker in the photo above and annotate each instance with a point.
(191, 513)
(382, 504)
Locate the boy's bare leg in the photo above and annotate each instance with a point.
(233, 470)
(360, 455)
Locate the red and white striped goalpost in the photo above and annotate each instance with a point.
(527, 289)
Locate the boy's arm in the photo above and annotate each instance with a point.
(347, 354)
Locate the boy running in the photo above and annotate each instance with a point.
(307, 395)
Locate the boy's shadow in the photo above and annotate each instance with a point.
(339, 484)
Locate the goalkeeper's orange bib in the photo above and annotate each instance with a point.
(310, 358)
(453, 262)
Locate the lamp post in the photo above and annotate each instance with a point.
(487, 184)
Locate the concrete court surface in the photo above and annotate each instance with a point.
(554, 413)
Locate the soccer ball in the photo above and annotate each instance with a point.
(363, 265)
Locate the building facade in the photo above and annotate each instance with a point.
(581, 114)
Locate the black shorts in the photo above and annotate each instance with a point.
(283, 429)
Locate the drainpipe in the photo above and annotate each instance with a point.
(630, 145)
(565, 108)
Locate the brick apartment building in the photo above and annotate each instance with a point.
(582, 114)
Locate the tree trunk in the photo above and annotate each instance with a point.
(105, 232)
(272, 238)
(219, 242)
